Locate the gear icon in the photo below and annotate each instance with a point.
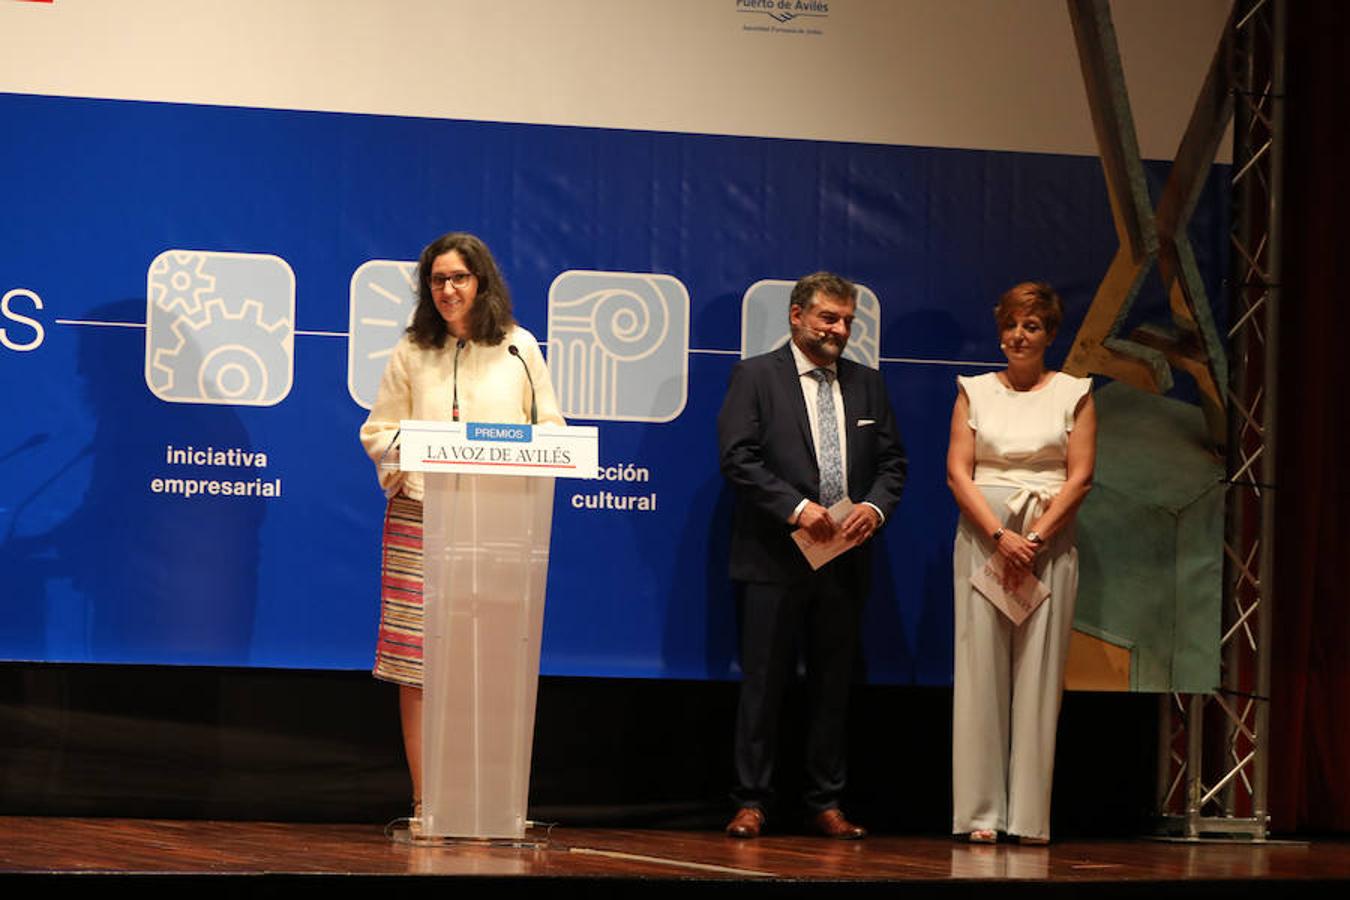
(176, 279)
(224, 356)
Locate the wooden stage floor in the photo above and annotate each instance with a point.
(269, 859)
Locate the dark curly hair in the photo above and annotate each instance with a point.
(489, 317)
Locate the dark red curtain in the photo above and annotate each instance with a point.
(1310, 709)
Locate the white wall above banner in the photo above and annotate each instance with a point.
(975, 74)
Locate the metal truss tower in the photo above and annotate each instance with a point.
(1214, 749)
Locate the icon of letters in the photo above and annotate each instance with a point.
(219, 328)
(764, 322)
(618, 345)
(383, 298)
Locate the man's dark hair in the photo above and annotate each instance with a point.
(827, 283)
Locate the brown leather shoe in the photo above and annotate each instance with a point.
(832, 824)
(746, 823)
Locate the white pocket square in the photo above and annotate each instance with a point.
(863, 423)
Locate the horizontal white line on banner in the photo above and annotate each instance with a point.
(343, 334)
(941, 362)
(886, 359)
(92, 322)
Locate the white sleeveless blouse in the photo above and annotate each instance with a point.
(1022, 437)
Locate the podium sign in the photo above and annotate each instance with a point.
(487, 515)
(492, 448)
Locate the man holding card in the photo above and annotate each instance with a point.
(809, 442)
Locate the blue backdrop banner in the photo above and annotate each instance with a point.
(198, 302)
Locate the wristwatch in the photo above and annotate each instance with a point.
(998, 534)
(1035, 538)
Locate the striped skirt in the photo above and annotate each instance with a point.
(398, 651)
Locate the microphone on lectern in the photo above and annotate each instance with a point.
(534, 407)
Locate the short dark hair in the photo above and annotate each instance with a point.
(1035, 297)
(489, 317)
(827, 283)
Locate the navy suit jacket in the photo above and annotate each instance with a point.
(768, 455)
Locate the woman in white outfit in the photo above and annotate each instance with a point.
(1023, 445)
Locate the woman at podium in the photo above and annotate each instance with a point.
(463, 358)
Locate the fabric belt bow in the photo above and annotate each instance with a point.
(1032, 500)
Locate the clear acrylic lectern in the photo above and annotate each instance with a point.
(485, 558)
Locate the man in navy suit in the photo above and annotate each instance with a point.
(801, 429)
